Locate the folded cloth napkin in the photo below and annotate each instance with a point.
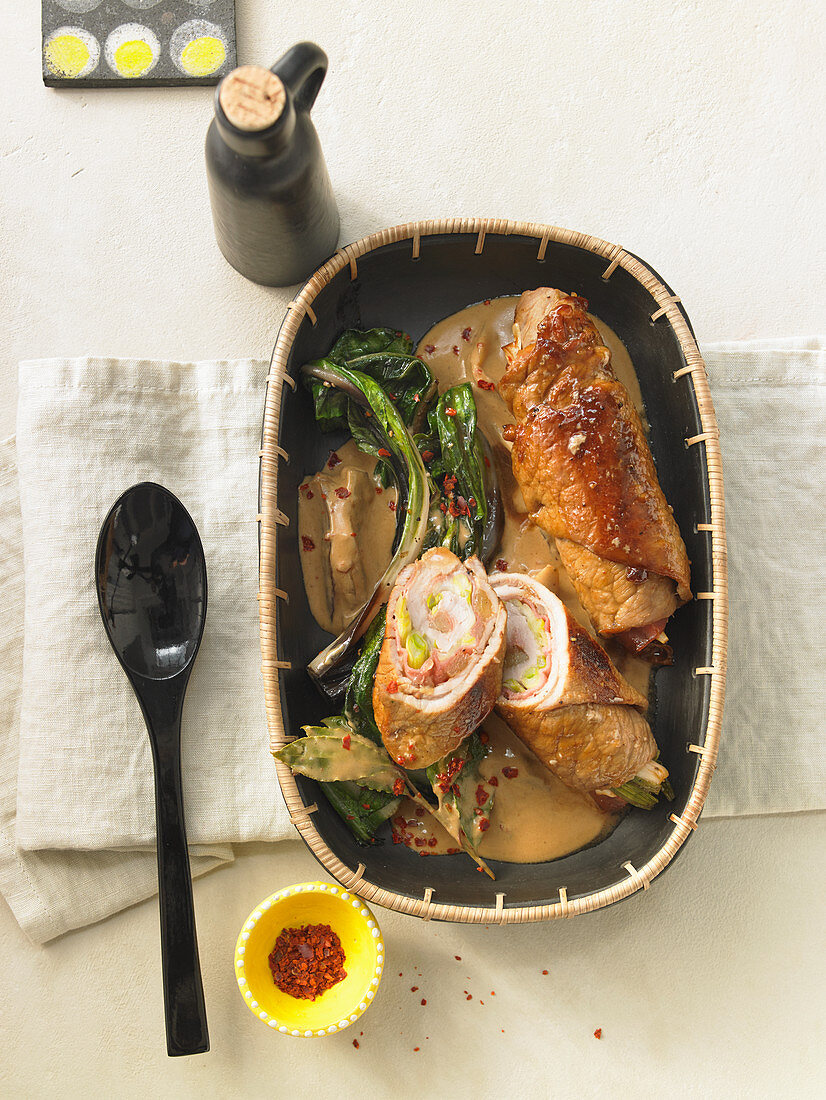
(76, 802)
(770, 399)
(79, 843)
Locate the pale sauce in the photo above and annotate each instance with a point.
(346, 524)
(535, 817)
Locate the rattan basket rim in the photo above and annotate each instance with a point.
(270, 518)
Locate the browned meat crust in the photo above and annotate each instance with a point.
(586, 723)
(586, 473)
(589, 746)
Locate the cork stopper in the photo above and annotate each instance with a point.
(252, 97)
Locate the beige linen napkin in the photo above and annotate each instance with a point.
(770, 399)
(81, 845)
(87, 429)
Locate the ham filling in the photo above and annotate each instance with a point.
(438, 627)
(527, 663)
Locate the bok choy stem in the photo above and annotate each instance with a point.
(393, 442)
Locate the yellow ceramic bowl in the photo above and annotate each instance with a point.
(292, 907)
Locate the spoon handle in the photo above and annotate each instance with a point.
(186, 1023)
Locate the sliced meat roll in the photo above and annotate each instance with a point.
(440, 667)
(583, 464)
(562, 696)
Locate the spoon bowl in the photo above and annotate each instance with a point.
(152, 594)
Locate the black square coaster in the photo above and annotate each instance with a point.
(129, 43)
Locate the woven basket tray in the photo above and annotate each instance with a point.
(409, 277)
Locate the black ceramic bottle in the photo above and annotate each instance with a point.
(273, 207)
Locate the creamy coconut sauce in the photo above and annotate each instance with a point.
(535, 816)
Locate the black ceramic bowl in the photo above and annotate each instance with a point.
(409, 278)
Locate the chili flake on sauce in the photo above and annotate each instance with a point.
(307, 961)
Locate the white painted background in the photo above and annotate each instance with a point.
(691, 134)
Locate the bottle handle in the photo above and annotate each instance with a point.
(302, 70)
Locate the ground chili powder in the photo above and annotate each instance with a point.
(307, 961)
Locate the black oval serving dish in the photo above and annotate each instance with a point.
(411, 282)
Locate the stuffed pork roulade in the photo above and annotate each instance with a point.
(562, 697)
(583, 464)
(440, 666)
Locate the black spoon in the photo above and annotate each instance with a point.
(152, 592)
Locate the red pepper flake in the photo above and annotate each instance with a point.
(393, 687)
(414, 989)
(398, 787)
(443, 507)
(455, 349)
(502, 565)
(383, 452)
(450, 480)
(432, 842)
(493, 993)
(424, 1002)
(307, 543)
(487, 301)
(427, 456)
(510, 773)
(429, 349)
(469, 997)
(415, 1049)
(484, 384)
(356, 1043)
(333, 460)
(455, 510)
(307, 961)
(544, 971)
(346, 741)
(472, 501)
(392, 506)
(484, 824)
(493, 781)
(598, 1033)
(458, 958)
(481, 795)
(342, 493)
(449, 411)
(379, 489)
(466, 333)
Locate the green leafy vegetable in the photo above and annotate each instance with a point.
(455, 452)
(460, 788)
(332, 755)
(358, 700)
(646, 788)
(355, 342)
(393, 442)
(362, 810)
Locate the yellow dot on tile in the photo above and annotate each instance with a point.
(203, 56)
(67, 55)
(133, 58)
